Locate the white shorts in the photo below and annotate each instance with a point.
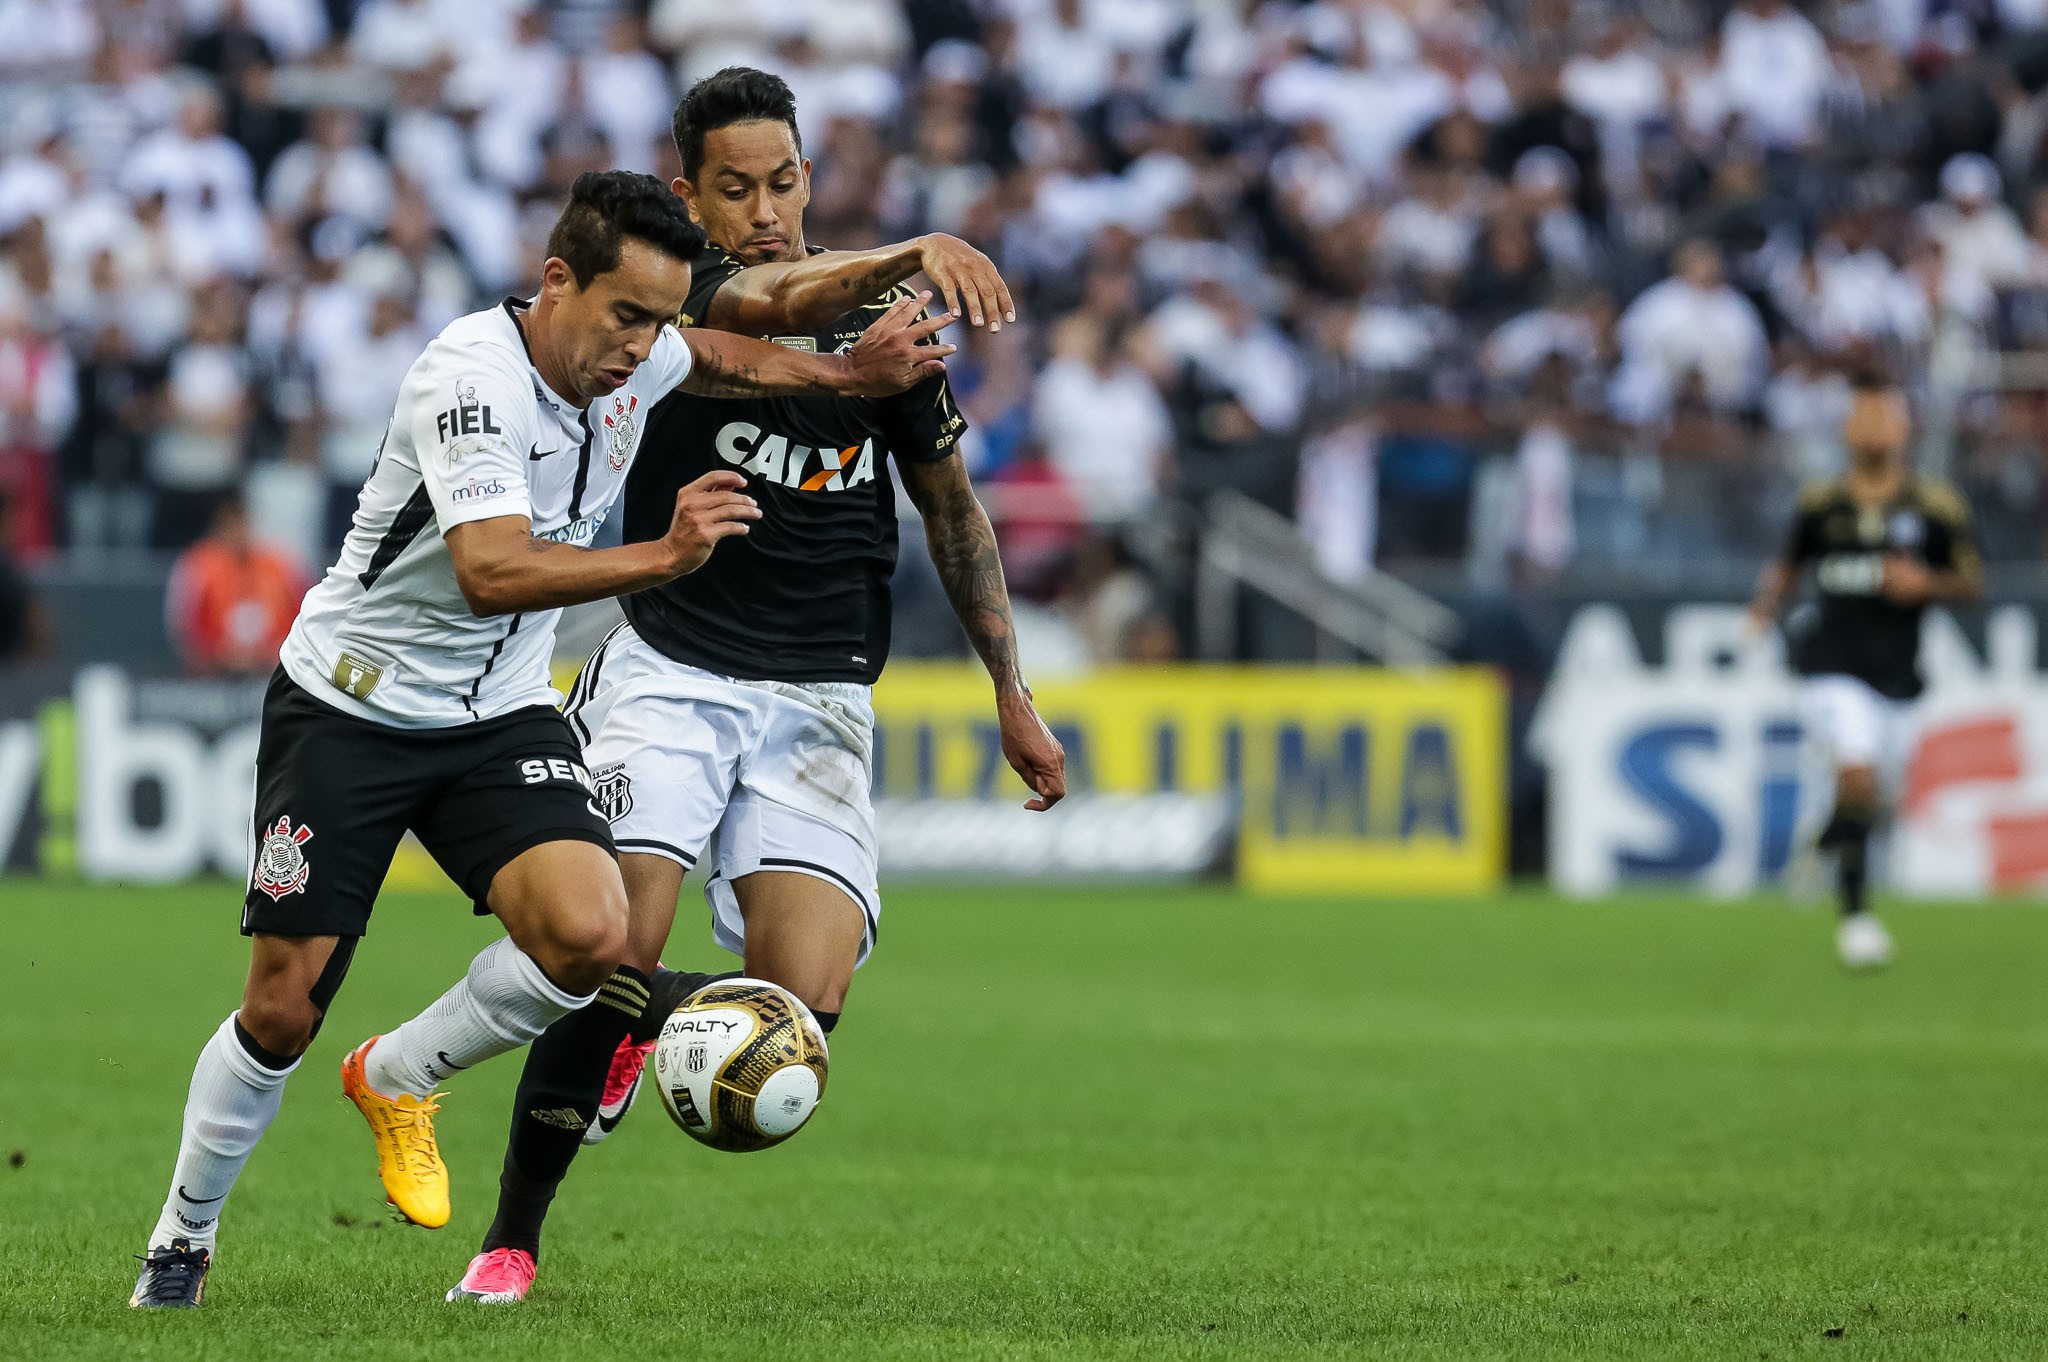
(1854, 724)
(778, 771)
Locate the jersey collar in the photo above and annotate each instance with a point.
(513, 307)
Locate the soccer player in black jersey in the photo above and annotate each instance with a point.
(1884, 545)
(740, 706)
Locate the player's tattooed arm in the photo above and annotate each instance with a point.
(895, 353)
(963, 549)
(809, 294)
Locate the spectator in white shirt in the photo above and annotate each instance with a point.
(1845, 290)
(398, 35)
(1985, 244)
(333, 171)
(356, 384)
(1617, 81)
(1067, 63)
(706, 35)
(206, 181)
(1693, 323)
(1775, 68)
(198, 455)
(626, 92)
(1101, 420)
(1430, 232)
(1215, 329)
(42, 39)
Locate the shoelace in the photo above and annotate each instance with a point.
(173, 1272)
(416, 1135)
(503, 1270)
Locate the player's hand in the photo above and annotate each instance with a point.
(891, 355)
(967, 280)
(1032, 751)
(708, 510)
(1906, 581)
(1756, 624)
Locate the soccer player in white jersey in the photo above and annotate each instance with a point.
(415, 694)
(734, 708)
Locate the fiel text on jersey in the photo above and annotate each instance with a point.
(467, 419)
(777, 458)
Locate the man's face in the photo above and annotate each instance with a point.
(604, 330)
(750, 193)
(1878, 427)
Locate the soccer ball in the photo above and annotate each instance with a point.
(740, 1065)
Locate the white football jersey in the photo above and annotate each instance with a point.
(476, 434)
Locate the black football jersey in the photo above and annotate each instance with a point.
(804, 596)
(1858, 632)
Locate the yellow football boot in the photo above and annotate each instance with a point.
(408, 1161)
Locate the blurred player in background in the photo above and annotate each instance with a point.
(1884, 545)
(740, 706)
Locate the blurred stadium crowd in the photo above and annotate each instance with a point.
(1524, 289)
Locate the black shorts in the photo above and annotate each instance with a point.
(335, 794)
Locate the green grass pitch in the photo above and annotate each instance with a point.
(1159, 1123)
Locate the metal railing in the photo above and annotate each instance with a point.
(1246, 546)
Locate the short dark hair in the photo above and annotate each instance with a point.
(738, 94)
(608, 205)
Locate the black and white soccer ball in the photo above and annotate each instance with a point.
(740, 1065)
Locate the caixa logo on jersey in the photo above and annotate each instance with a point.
(776, 458)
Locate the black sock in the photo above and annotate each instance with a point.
(1852, 861)
(668, 989)
(559, 1092)
(826, 1020)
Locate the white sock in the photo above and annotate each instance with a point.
(232, 1101)
(502, 1003)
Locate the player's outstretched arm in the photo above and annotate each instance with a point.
(502, 569)
(963, 549)
(809, 294)
(1771, 585)
(895, 353)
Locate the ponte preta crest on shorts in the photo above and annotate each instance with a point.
(281, 866)
(624, 428)
(613, 790)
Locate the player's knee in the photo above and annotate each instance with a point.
(823, 994)
(1857, 785)
(819, 984)
(580, 950)
(280, 1023)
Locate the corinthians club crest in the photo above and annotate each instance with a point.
(624, 428)
(280, 863)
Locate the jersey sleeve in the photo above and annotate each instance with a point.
(670, 361)
(1803, 541)
(708, 273)
(472, 420)
(923, 424)
(1952, 538)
